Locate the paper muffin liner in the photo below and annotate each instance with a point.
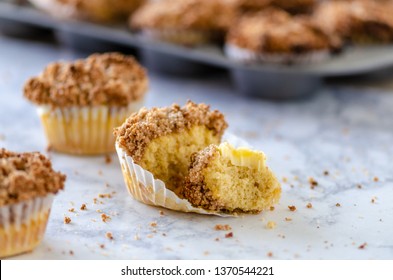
(22, 225)
(84, 130)
(244, 55)
(180, 37)
(142, 185)
(56, 9)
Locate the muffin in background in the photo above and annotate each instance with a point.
(105, 11)
(80, 102)
(162, 140)
(184, 22)
(223, 178)
(357, 21)
(28, 185)
(274, 36)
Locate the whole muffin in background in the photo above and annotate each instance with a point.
(358, 21)
(27, 188)
(184, 22)
(80, 102)
(162, 140)
(223, 178)
(93, 10)
(274, 36)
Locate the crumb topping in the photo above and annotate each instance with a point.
(295, 6)
(202, 15)
(27, 175)
(101, 79)
(222, 227)
(146, 125)
(292, 208)
(67, 220)
(275, 31)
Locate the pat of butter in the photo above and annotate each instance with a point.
(243, 156)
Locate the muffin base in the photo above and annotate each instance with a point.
(243, 55)
(84, 130)
(22, 225)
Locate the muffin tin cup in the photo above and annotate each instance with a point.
(22, 225)
(84, 130)
(143, 187)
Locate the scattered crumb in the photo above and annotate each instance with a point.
(288, 219)
(284, 179)
(363, 246)
(326, 173)
(359, 186)
(373, 199)
(49, 148)
(222, 227)
(67, 220)
(338, 204)
(376, 179)
(136, 237)
(108, 159)
(153, 224)
(102, 246)
(163, 234)
(105, 195)
(292, 208)
(105, 218)
(270, 254)
(313, 182)
(71, 210)
(161, 213)
(95, 200)
(150, 236)
(109, 235)
(271, 225)
(206, 253)
(217, 239)
(94, 220)
(272, 208)
(100, 172)
(309, 205)
(229, 235)
(83, 207)
(2, 137)
(99, 211)
(71, 252)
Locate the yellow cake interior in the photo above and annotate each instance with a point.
(239, 180)
(168, 157)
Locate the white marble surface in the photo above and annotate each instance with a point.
(348, 133)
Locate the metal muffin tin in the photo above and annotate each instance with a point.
(262, 80)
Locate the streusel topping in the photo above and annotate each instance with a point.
(24, 176)
(102, 79)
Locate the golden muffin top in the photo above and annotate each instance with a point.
(148, 124)
(206, 15)
(102, 79)
(277, 32)
(24, 176)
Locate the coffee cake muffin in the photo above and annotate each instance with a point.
(275, 36)
(223, 178)
(184, 22)
(105, 11)
(357, 21)
(27, 188)
(162, 140)
(81, 102)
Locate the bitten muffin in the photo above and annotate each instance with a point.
(275, 36)
(292, 6)
(27, 188)
(357, 21)
(184, 22)
(223, 178)
(162, 140)
(80, 102)
(105, 11)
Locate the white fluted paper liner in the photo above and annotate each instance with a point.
(56, 9)
(22, 225)
(84, 130)
(244, 55)
(142, 185)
